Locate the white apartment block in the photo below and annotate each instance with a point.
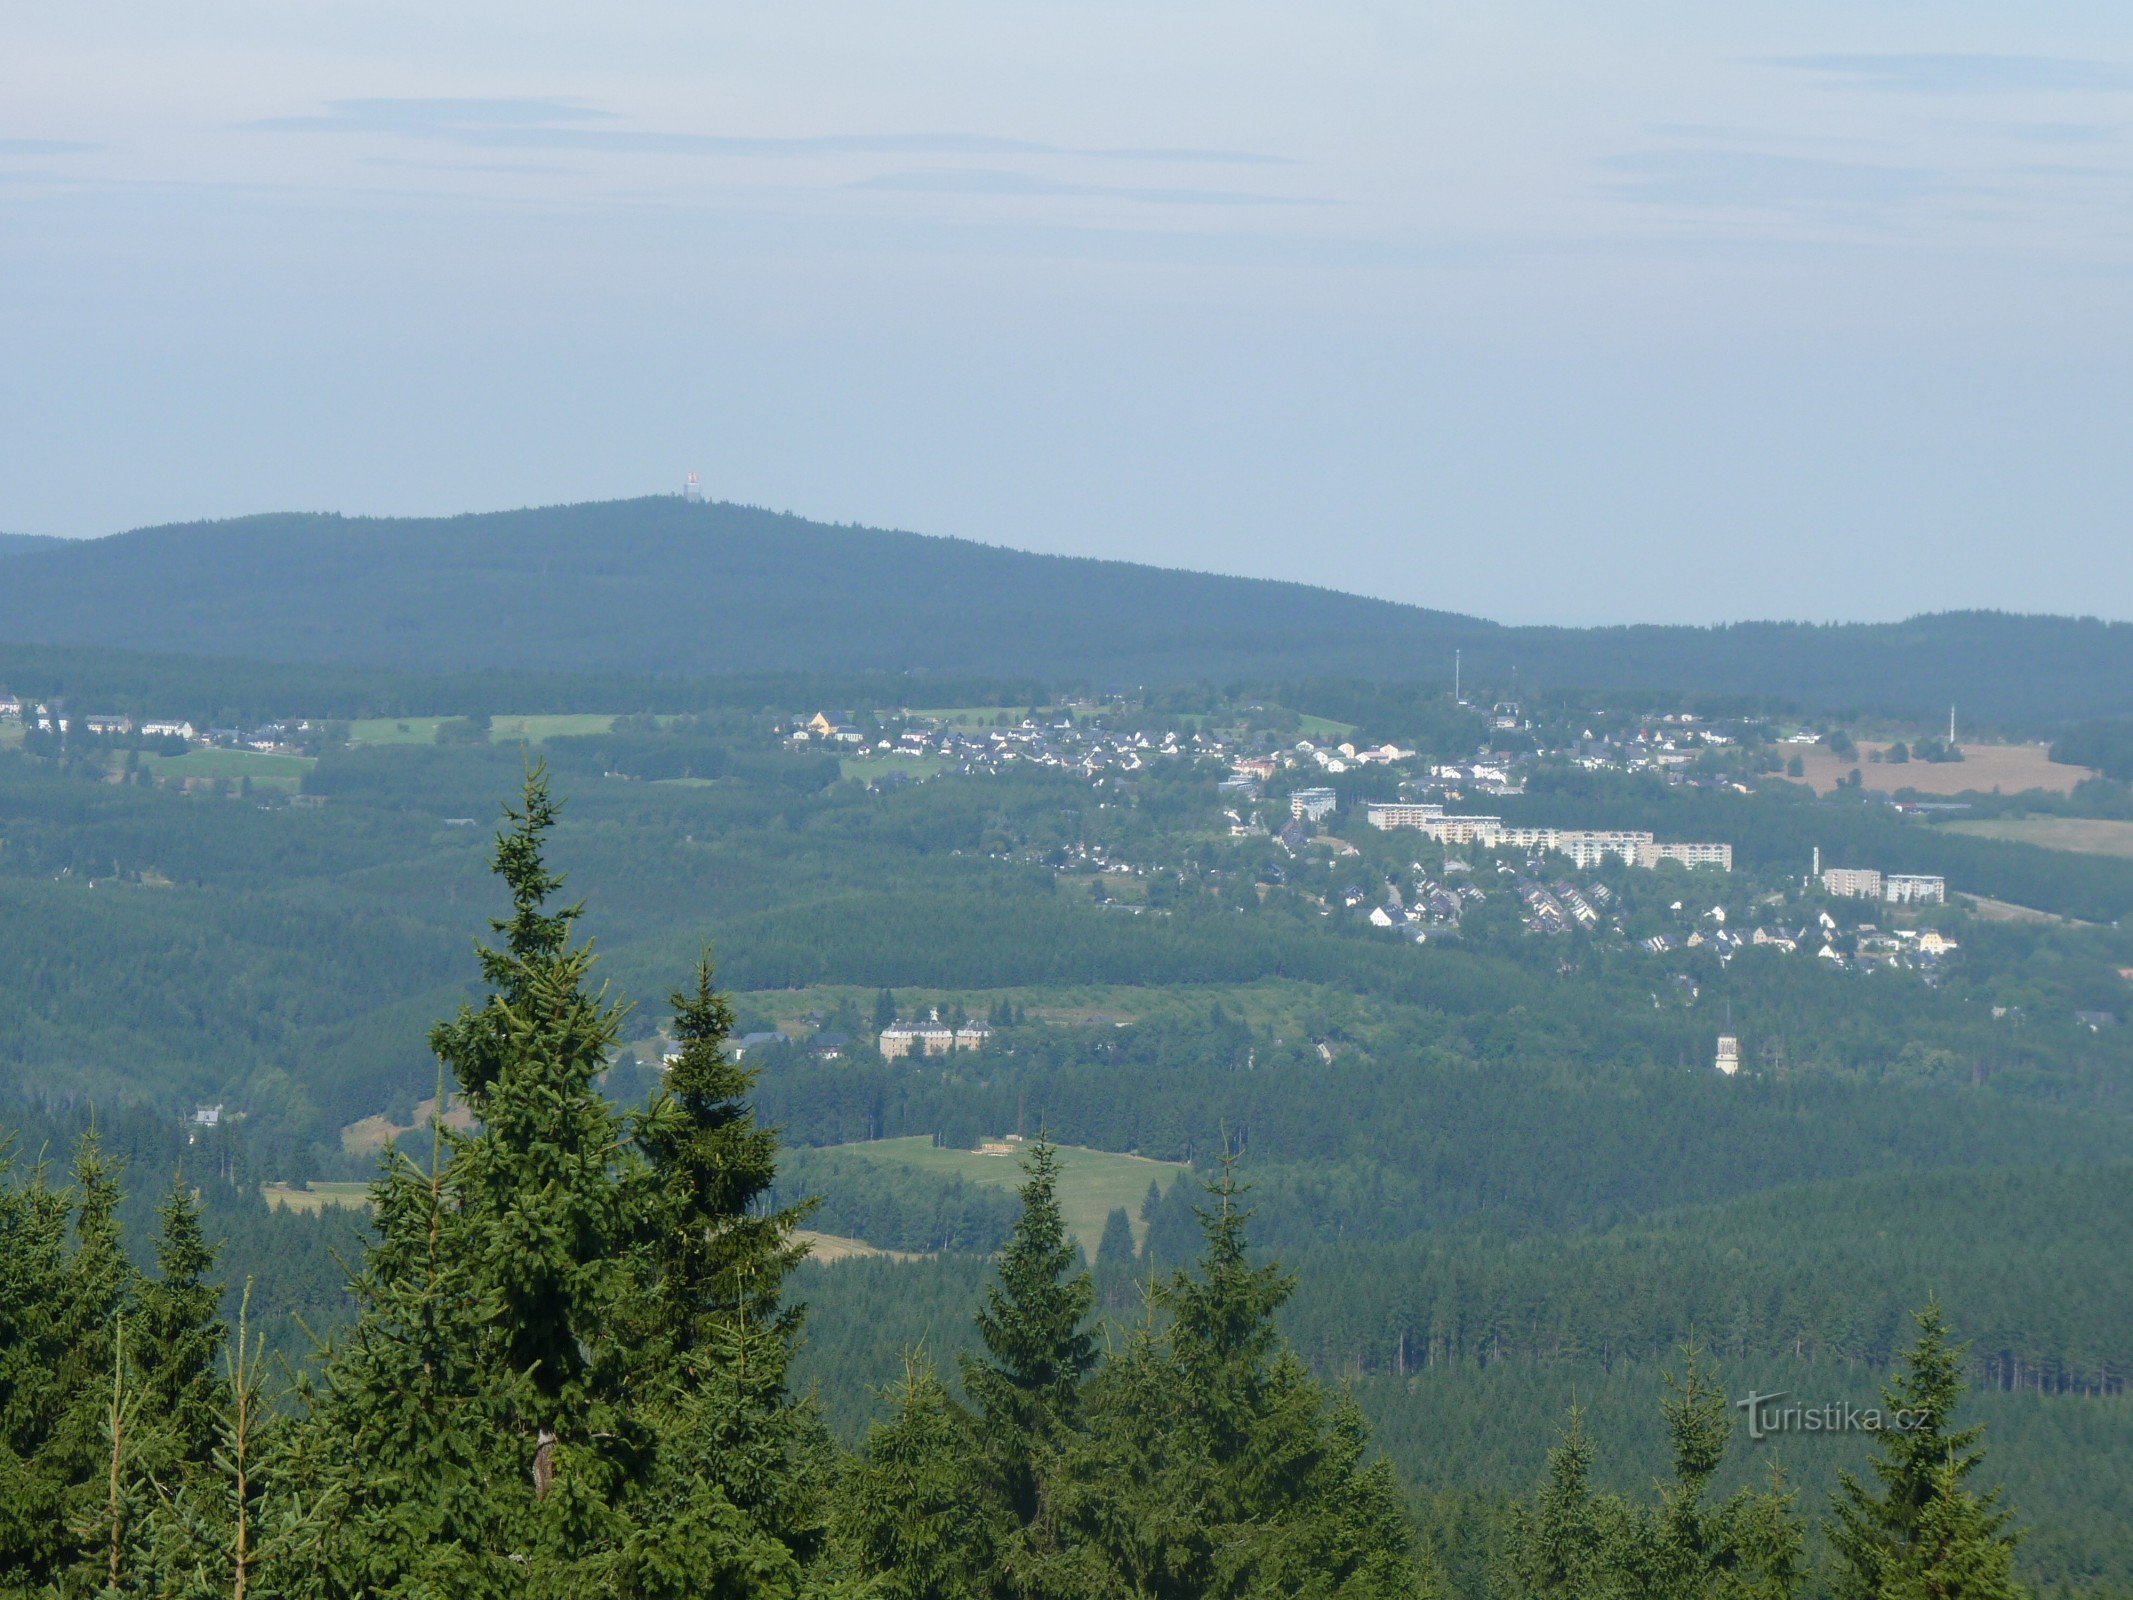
(1588, 847)
(1914, 889)
(1401, 814)
(1855, 883)
(1486, 832)
(1312, 804)
(1689, 855)
(1532, 838)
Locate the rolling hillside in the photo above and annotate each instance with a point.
(659, 586)
(23, 544)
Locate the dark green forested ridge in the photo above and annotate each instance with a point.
(627, 585)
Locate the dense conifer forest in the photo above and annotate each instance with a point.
(1459, 1186)
(569, 1370)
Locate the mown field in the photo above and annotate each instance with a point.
(1092, 1183)
(262, 767)
(2082, 835)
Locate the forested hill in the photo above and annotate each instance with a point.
(22, 544)
(662, 586)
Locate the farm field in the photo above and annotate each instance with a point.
(1985, 768)
(1092, 1183)
(2083, 835)
(262, 767)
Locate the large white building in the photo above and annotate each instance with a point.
(1486, 832)
(1914, 889)
(1689, 855)
(1312, 804)
(1401, 814)
(1588, 847)
(1852, 883)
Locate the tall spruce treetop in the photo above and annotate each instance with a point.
(711, 1164)
(1027, 1385)
(476, 1043)
(1223, 1333)
(1924, 1530)
(537, 1180)
(479, 1406)
(1558, 1547)
(178, 1338)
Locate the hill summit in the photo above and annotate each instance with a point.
(667, 586)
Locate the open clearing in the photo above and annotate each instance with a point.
(369, 1136)
(829, 1248)
(1092, 1183)
(352, 1196)
(262, 767)
(502, 730)
(2084, 835)
(1985, 768)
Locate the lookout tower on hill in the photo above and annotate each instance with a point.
(692, 491)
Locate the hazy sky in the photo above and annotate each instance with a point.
(1551, 312)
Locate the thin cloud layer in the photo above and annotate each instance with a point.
(1945, 73)
(561, 125)
(994, 182)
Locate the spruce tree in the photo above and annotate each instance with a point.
(1212, 1464)
(1686, 1548)
(914, 1522)
(1026, 1387)
(99, 1289)
(1559, 1547)
(738, 1461)
(1921, 1529)
(484, 1386)
(33, 1318)
(177, 1339)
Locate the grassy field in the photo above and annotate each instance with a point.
(880, 766)
(1092, 1183)
(1318, 728)
(264, 769)
(355, 1196)
(1985, 768)
(2084, 835)
(502, 730)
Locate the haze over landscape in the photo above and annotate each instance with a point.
(1090, 801)
(1662, 313)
